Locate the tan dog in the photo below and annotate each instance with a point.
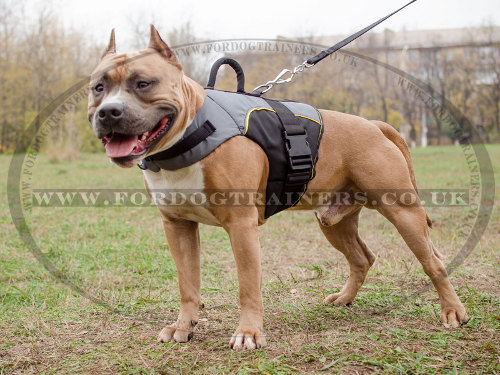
(141, 103)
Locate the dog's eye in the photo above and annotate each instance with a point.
(99, 87)
(143, 84)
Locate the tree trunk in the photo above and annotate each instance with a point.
(423, 138)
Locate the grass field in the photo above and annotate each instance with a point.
(119, 254)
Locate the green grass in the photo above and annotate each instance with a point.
(119, 255)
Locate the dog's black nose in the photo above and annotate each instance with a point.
(110, 113)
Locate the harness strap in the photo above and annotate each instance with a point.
(300, 163)
(193, 139)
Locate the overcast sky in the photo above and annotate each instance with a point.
(212, 19)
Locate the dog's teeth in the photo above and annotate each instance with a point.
(146, 134)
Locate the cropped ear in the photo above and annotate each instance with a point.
(157, 43)
(111, 46)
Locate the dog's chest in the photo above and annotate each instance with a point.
(180, 194)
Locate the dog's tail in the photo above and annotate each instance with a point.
(394, 136)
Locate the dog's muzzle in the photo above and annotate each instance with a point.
(125, 135)
(110, 115)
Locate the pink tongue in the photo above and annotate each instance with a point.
(121, 145)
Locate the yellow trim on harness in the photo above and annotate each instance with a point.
(272, 110)
(310, 119)
(250, 112)
(319, 138)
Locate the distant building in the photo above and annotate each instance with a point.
(420, 39)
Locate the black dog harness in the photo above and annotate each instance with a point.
(288, 132)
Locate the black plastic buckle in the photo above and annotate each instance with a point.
(147, 163)
(299, 158)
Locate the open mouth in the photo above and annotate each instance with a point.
(131, 146)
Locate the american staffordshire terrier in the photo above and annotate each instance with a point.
(141, 103)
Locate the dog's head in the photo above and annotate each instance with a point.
(137, 101)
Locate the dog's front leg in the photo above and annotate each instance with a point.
(243, 234)
(184, 243)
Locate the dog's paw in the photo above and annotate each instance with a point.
(454, 317)
(176, 333)
(248, 339)
(338, 299)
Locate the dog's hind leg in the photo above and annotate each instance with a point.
(411, 223)
(387, 178)
(345, 238)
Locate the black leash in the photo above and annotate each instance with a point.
(309, 63)
(320, 56)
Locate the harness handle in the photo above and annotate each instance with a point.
(240, 76)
